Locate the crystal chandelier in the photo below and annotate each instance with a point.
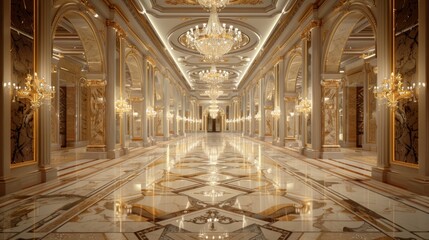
(170, 115)
(213, 40)
(393, 90)
(304, 106)
(213, 111)
(36, 90)
(214, 93)
(258, 116)
(122, 106)
(276, 112)
(214, 76)
(213, 3)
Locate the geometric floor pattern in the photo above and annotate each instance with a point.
(214, 186)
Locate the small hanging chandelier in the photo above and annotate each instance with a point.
(214, 93)
(214, 76)
(214, 39)
(304, 106)
(122, 106)
(393, 90)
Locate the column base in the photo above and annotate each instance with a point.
(408, 181)
(9, 185)
(166, 138)
(48, 173)
(262, 138)
(324, 153)
(136, 144)
(379, 174)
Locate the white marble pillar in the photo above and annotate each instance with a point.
(176, 112)
(262, 109)
(244, 112)
(110, 114)
(145, 92)
(302, 117)
(423, 93)
(152, 103)
(44, 71)
(316, 93)
(183, 115)
(384, 55)
(281, 102)
(165, 121)
(252, 113)
(8, 183)
(122, 77)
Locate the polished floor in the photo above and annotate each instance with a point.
(213, 186)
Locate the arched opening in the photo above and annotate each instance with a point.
(75, 55)
(293, 93)
(351, 55)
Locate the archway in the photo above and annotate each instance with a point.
(293, 93)
(350, 57)
(76, 53)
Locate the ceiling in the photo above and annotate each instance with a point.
(171, 19)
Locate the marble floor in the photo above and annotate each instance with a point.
(213, 186)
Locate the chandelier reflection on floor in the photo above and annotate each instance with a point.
(36, 90)
(213, 40)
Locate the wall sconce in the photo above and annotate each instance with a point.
(122, 106)
(150, 112)
(276, 112)
(304, 106)
(393, 90)
(36, 90)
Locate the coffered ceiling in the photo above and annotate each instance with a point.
(171, 19)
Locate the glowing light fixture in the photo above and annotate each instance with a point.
(36, 90)
(214, 76)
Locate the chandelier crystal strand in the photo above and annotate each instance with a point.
(214, 76)
(214, 40)
(209, 4)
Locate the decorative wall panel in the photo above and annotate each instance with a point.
(406, 50)
(330, 112)
(371, 131)
(22, 58)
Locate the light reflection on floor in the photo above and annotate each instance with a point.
(214, 186)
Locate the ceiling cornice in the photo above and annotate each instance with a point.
(279, 29)
(150, 33)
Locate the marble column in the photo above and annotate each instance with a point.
(384, 56)
(176, 112)
(8, 183)
(97, 100)
(302, 117)
(145, 92)
(122, 77)
(316, 93)
(165, 120)
(44, 65)
(244, 112)
(262, 109)
(252, 113)
(281, 102)
(183, 115)
(423, 93)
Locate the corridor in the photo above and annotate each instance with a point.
(212, 186)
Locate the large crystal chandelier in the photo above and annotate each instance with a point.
(213, 39)
(214, 76)
(393, 90)
(214, 111)
(304, 106)
(213, 3)
(122, 106)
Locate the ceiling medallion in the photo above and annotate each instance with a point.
(214, 76)
(214, 39)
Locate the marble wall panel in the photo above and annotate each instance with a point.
(406, 50)
(22, 52)
(97, 115)
(330, 113)
(71, 114)
(351, 114)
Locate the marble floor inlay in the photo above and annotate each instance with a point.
(214, 186)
